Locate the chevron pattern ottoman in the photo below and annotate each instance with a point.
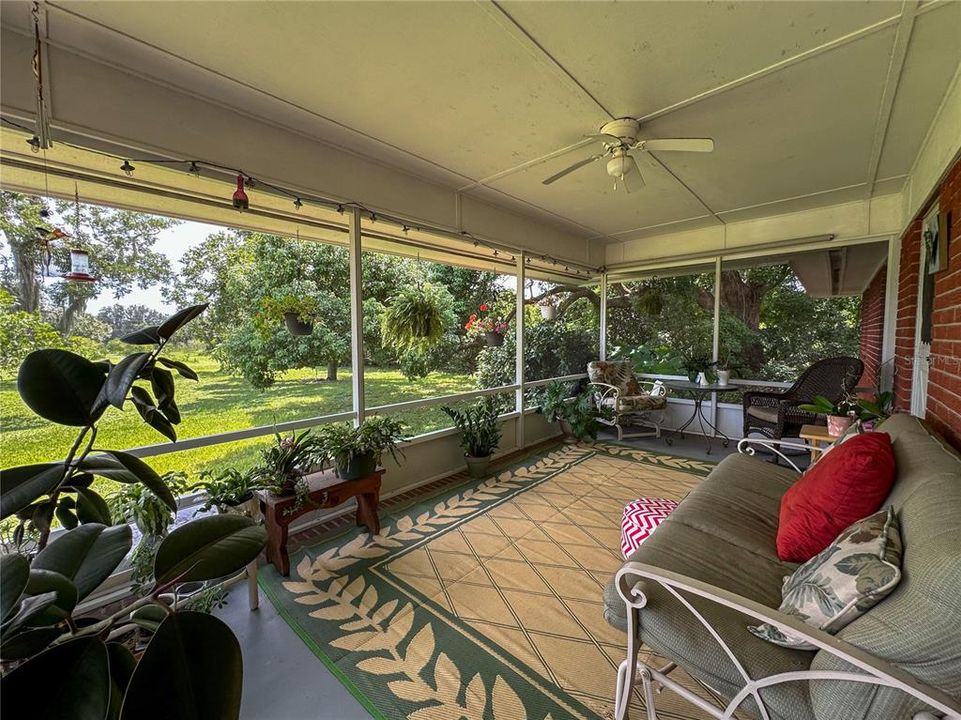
(641, 518)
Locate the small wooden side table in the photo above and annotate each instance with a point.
(816, 435)
(326, 491)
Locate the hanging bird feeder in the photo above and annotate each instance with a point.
(79, 267)
(240, 199)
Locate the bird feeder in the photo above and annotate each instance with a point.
(240, 199)
(79, 267)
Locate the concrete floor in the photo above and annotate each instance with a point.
(284, 680)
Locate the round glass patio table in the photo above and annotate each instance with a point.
(698, 392)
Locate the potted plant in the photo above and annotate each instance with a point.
(138, 504)
(695, 367)
(480, 430)
(491, 329)
(548, 307)
(576, 413)
(63, 658)
(723, 370)
(876, 409)
(230, 491)
(297, 311)
(355, 452)
(554, 401)
(289, 459)
(417, 317)
(840, 415)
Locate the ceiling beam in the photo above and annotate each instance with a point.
(899, 52)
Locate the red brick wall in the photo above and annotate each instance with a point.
(906, 316)
(872, 327)
(944, 382)
(944, 385)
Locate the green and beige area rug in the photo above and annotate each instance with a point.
(484, 602)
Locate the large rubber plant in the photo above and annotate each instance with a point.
(417, 317)
(58, 664)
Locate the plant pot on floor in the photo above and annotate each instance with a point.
(477, 466)
(548, 312)
(494, 339)
(296, 326)
(838, 424)
(567, 430)
(359, 466)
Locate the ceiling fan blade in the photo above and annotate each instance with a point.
(572, 168)
(632, 180)
(679, 144)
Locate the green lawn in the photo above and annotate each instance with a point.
(218, 403)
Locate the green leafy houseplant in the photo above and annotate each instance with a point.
(137, 504)
(822, 406)
(228, 489)
(417, 317)
(288, 459)
(64, 665)
(480, 431)
(356, 452)
(297, 312)
(576, 413)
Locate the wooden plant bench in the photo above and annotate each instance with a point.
(326, 491)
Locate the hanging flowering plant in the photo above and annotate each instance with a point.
(480, 323)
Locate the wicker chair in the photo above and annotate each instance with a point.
(776, 415)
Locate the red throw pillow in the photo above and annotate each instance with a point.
(846, 485)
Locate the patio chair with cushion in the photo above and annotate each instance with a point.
(631, 402)
(776, 414)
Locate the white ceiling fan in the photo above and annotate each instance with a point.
(620, 139)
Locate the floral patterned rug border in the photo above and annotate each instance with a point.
(363, 609)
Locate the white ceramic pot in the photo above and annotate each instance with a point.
(548, 312)
(702, 379)
(723, 377)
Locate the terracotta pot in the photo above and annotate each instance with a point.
(296, 326)
(477, 466)
(359, 466)
(494, 339)
(838, 424)
(548, 312)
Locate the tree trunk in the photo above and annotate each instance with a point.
(28, 281)
(332, 371)
(75, 306)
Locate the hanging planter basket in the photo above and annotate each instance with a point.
(296, 326)
(494, 339)
(548, 312)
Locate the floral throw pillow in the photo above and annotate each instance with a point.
(843, 581)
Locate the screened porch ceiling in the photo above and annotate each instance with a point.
(810, 104)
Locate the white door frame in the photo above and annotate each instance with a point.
(922, 351)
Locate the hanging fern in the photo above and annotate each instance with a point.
(418, 317)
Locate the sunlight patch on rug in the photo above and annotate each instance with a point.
(484, 601)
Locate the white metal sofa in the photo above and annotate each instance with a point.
(711, 569)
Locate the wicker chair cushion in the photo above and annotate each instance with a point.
(767, 414)
(620, 374)
(636, 403)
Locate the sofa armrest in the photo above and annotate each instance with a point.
(876, 671)
(746, 447)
